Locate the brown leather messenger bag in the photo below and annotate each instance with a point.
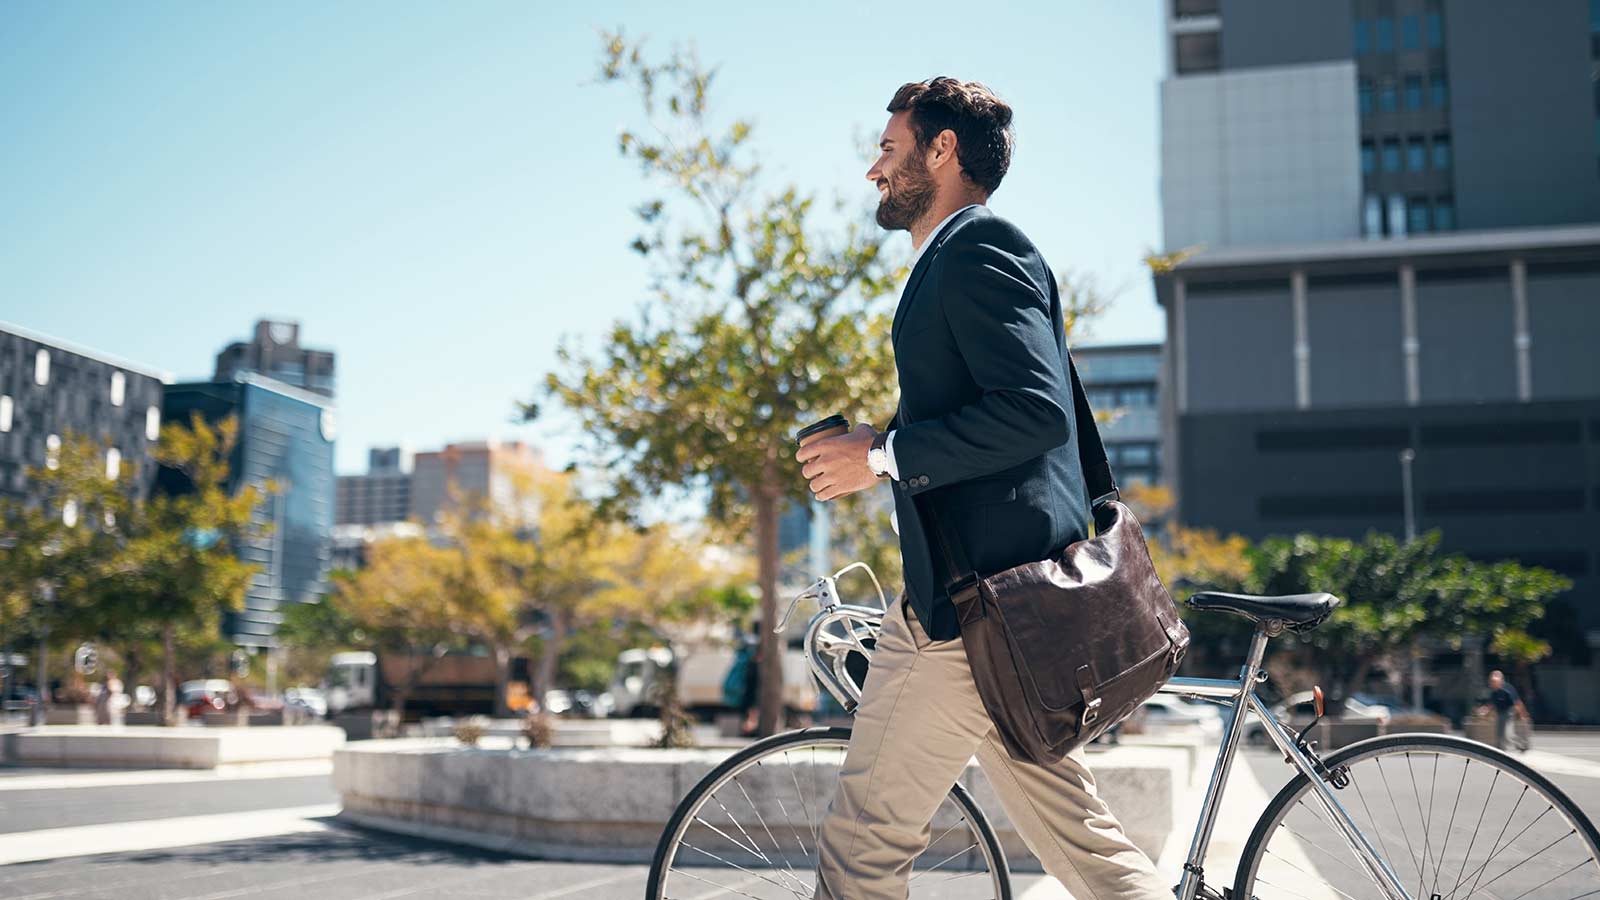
(1064, 648)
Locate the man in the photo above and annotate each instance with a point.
(1505, 701)
(985, 439)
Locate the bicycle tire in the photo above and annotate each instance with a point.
(665, 852)
(1250, 859)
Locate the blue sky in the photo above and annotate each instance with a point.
(433, 190)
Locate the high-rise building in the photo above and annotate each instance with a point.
(50, 389)
(286, 437)
(1388, 311)
(1122, 382)
(274, 351)
(381, 495)
(486, 469)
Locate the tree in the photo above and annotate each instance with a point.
(178, 568)
(1395, 593)
(760, 318)
(399, 603)
(55, 547)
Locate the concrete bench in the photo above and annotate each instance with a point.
(168, 748)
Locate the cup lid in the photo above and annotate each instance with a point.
(831, 422)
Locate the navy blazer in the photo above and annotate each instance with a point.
(984, 436)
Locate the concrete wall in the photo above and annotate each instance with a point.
(1239, 341)
(1466, 325)
(1354, 328)
(1522, 113)
(1283, 32)
(1260, 156)
(1564, 322)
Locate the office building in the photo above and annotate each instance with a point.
(492, 469)
(50, 389)
(274, 351)
(286, 437)
(1391, 215)
(1122, 382)
(381, 495)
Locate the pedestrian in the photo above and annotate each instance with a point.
(985, 436)
(105, 702)
(1505, 703)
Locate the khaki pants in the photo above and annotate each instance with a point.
(919, 724)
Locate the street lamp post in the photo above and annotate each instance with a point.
(1407, 456)
(47, 594)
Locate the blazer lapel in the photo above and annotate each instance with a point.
(909, 295)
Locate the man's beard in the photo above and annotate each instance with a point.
(910, 196)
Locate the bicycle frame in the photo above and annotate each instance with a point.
(823, 645)
(1243, 697)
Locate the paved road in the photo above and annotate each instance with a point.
(58, 808)
(336, 861)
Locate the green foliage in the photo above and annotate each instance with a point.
(757, 318)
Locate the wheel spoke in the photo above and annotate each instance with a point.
(762, 819)
(1454, 804)
(1411, 851)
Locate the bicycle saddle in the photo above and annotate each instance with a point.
(1296, 612)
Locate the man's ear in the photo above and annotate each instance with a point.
(944, 148)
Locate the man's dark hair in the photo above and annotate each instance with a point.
(981, 122)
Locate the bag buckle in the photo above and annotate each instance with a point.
(967, 598)
(1091, 703)
(1091, 713)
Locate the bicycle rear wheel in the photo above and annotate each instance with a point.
(749, 828)
(1454, 819)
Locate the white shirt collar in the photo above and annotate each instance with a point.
(934, 234)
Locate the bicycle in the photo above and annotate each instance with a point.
(736, 831)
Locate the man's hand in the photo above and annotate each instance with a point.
(837, 466)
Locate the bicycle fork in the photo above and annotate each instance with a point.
(1245, 701)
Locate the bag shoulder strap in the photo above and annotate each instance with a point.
(1098, 481)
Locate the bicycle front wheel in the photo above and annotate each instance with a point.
(749, 829)
(1453, 819)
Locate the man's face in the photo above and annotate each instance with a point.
(1496, 680)
(906, 189)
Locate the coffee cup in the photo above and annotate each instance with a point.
(832, 426)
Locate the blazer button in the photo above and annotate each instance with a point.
(903, 485)
(923, 481)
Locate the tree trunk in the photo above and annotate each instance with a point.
(770, 647)
(544, 677)
(169, 674)
(502, 680)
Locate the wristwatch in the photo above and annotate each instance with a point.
(878, 455)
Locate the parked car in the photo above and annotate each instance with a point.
(206, 695)
(309, 700)
(1165, 712)
(1297, 711)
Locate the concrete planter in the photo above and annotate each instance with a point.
(609, 805)
(168, 748)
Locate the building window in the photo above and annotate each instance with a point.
(1418, 213)
(1397, 216)
(1413, 92)
(1361, 37)
(1369, 157)
(1184, 9)
(152, 424)
(1387, 100)
(1391, 154)
(1372, 216)
(113, 463)
(1416, 155)
(6, 412)
(1364, 97)
(1439, 90)
(41, 366)
(119, 388)
(1441, 151)
(1385, 35)
(52, 451)
(1444, 214)
(1435, 30)
(1198, 53)
(1410, 33)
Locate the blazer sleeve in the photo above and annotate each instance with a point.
(1000, 317)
